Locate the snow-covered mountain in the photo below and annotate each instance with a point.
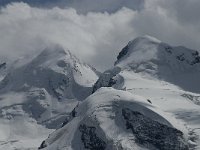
(150, 100)
(156, 60)
(56, 70)
(115, 119)
(37, 95)
(176, 65)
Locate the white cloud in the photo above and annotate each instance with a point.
(26, 29)
(162, 19)
(95, 37)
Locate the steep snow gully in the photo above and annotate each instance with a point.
(149, 100)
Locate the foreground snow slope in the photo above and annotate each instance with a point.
(37, 95)
(115, 119)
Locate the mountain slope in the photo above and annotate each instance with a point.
(151, 95)
(40, 94)
(150, 50)
(115, 119)
(150, 56)
(167, 76)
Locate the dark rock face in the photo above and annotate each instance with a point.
(196, 58)
(71, 116)
(169, 49)
(59, 85)
(180, 57)
(107, 79)
(152, 133)
(123, 52)
(194, 99)
(90, 139)
(108, 82)
(43, 145)
(3, 65)
(33, 106)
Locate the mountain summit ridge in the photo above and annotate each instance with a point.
(148, 49)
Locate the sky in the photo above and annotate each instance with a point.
(94, 30)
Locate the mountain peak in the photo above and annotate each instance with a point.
(51, 53)
(150, 54)
(139, 44)
(54, 66)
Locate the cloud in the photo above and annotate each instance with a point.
(96, 37)
(186, 12)
(92, 37)
(169, 21)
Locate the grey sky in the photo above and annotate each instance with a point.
(83, 6)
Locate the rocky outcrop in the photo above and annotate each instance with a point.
(90, 139)
(106, 79)
(3, 65)
(150, 133)
(43, 145)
